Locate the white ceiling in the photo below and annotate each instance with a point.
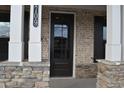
(92, 7)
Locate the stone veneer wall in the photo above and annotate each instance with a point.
(84, 38)
(25, 75)
(86, 71)
(110, 74)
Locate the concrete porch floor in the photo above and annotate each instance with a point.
(73, 83)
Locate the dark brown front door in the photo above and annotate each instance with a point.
(61, 50)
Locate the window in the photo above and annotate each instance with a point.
(61, 30)
(4, 29)
(60, 40)
(104, 33)
(4, 35)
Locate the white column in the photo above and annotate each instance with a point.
(35, 33)
(16, 33)
(113, 46)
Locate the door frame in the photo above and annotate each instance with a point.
(74, 38)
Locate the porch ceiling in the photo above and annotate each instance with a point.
(91, 7)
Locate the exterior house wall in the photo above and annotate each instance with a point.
(37, 74)
(84, 38)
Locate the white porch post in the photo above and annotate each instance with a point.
(35, 33)
(113, 46)
(16, 33)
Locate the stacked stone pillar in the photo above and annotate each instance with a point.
(111, 70)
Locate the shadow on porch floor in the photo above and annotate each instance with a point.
(73, 83)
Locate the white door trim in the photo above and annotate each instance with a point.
(74, 37)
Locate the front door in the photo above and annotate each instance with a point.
(61, 50)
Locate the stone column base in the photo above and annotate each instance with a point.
(110, 74)
(26, 75)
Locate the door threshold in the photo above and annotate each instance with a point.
(61, 77)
